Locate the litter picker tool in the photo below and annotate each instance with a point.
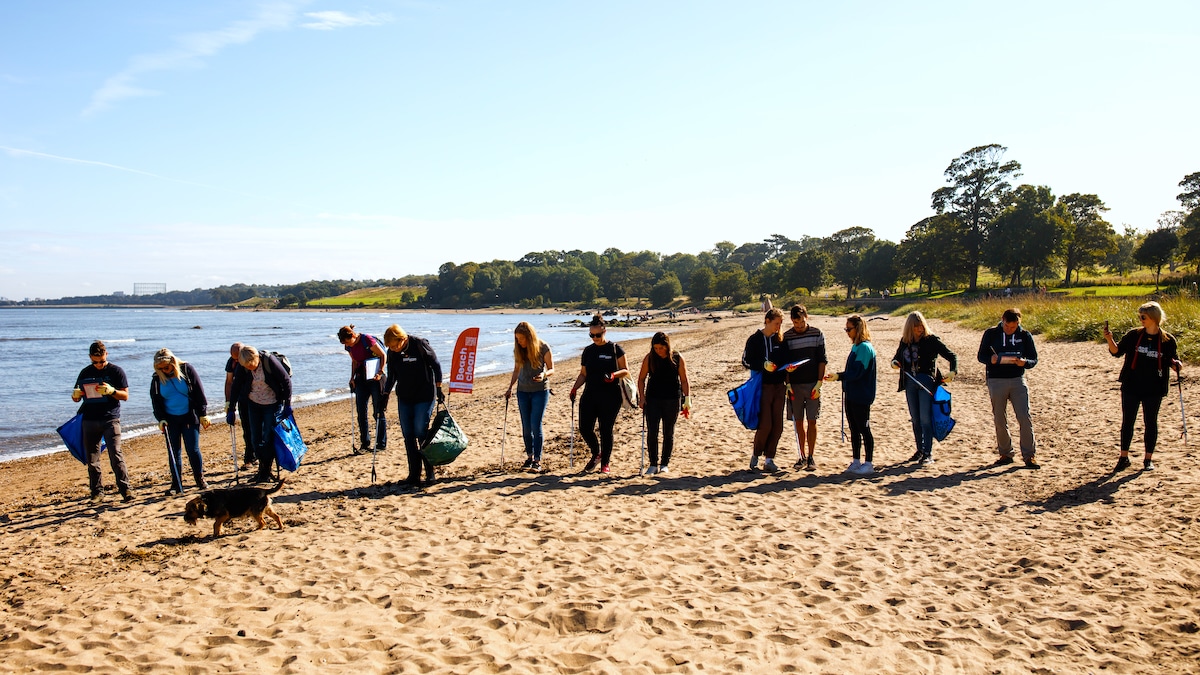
(1182, 414)
(642, 464)
(842, 400)
(353, 425)
(571, 444)
(233, 450)
(504, 433)
(176, 479)
(380, 437)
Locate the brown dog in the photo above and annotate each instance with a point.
(225, 504)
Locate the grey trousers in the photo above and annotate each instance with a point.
(1002, 390)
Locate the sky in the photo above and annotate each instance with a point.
(202, 144)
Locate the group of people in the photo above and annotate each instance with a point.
(792, 364)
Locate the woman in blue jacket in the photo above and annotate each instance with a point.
(180, 407)
(858, 392)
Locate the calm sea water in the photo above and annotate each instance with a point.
(43, 350)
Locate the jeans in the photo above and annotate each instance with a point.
(666, 412)
(1002, 390)
(93, 431)
(532, 405)
(181, 432)
(414, 425)
(263, 419)
(368, 392)
(920, 410)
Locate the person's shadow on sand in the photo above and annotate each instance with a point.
(1098, 490)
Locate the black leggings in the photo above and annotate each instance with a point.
(858, 415)
(1149, 401)
(602, 408)
(666, 411)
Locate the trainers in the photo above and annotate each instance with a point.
(769, 466)
(592, 463)
(96, 496)
(650, 470)
(754, 463)
(126, 496)
(528, 463)
(925, 460)
(811, 466)
(865, 469)
(917, 457)
(853, 468)
(1122, 464)
(1030, 464)
(663, 468)
(604, 469)
(799, 464)
(1148, 465)
(536, 466)
(1004, 459)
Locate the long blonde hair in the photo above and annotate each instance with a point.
(915, 319)
(861, 332)
(164, 355)
(532, 354)
(771, 315)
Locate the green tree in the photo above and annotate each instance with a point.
(701, 285)
(1026, 235)
(934, 251)
(722, 250)
(733, 283)
(1190, 197)
(846, 248)
(810, 270)
(977, 192)
(665, 291)
(879, 269)
(1087, 238)
(1156, 250)
(1121, 260)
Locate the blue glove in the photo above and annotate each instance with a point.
(231, 416)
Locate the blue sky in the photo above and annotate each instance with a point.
(201, 144)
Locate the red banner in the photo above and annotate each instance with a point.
(462, 370)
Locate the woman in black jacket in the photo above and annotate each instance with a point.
(265, 385)
(180, 408)
(414, 371)
(1150, 354)
(765, 352)
(916, 359)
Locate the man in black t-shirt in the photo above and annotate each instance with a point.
(243, 407)
(102, 386)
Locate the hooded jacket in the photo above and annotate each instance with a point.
(996, 342)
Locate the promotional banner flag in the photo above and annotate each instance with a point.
(462, 370)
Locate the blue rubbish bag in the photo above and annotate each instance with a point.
(72, 435)
(289, 446)
(943, 423)
(746, 399)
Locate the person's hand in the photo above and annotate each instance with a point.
(378, 376)
(769, 367)
(540, 376)
(508, 393)
(352, 384)
(76, 394)
(162, 426)
(816, 392)
(441, 395)
(642, 402)
(571, 395)
(791, 369)
(995, 359)
(832, 377)
(609, 377)
(105, 389)
(1177, 365)
(383, 402)
(949, 377)
(895, 365)
(205, 421)
(687, 407)
(226, 408)
(231, 416)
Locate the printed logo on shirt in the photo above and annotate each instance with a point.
(605, 356)
(1150, 353)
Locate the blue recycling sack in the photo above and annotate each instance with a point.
(943, 423)
(746, 399)
(289, 446)
(72, 435)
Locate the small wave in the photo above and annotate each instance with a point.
(34, 339)
(120, 341)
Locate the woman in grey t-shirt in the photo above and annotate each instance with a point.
(532, 367)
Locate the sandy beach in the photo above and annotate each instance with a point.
(955, 567)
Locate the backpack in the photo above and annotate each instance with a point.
(287, 365)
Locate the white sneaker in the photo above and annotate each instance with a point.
(865, 469)
(754, 463)
(853, 468)
(663, 468)
(651, 470)
(769, 466)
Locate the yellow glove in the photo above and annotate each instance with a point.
(769, 367)
(949, 377)
(687, 407)
(205, 422)
(895, 365)
(816, 392)
(76, 394)
(833, 377)
(162, 426)
(105, 389)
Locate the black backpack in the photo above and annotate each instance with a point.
(287, 365)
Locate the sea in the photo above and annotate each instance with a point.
(42, 351)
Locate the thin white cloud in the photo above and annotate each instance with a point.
(191, 51)
(18, 152)
(333, 20)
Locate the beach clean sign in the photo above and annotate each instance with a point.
(462, 373)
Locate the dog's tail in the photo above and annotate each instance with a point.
(278, 486)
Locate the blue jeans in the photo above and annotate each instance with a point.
(920, 409)
(368, 392)
(414, 424)
(263, 419)
(186, 434)
(532, 405)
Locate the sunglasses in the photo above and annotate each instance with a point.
(595, 335)
(98, 361)
(849, 329)
(1142, 317)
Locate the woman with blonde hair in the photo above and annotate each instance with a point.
(765, 352)
(532, 367)
(1150, 355)
(414, 371)
(916, 359)
(181, 408)
(858, 390)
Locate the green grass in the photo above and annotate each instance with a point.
(1106, 291)
(382, 295)
(1071, 319)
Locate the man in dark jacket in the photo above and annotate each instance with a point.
(265, 384)
(1007, 350)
